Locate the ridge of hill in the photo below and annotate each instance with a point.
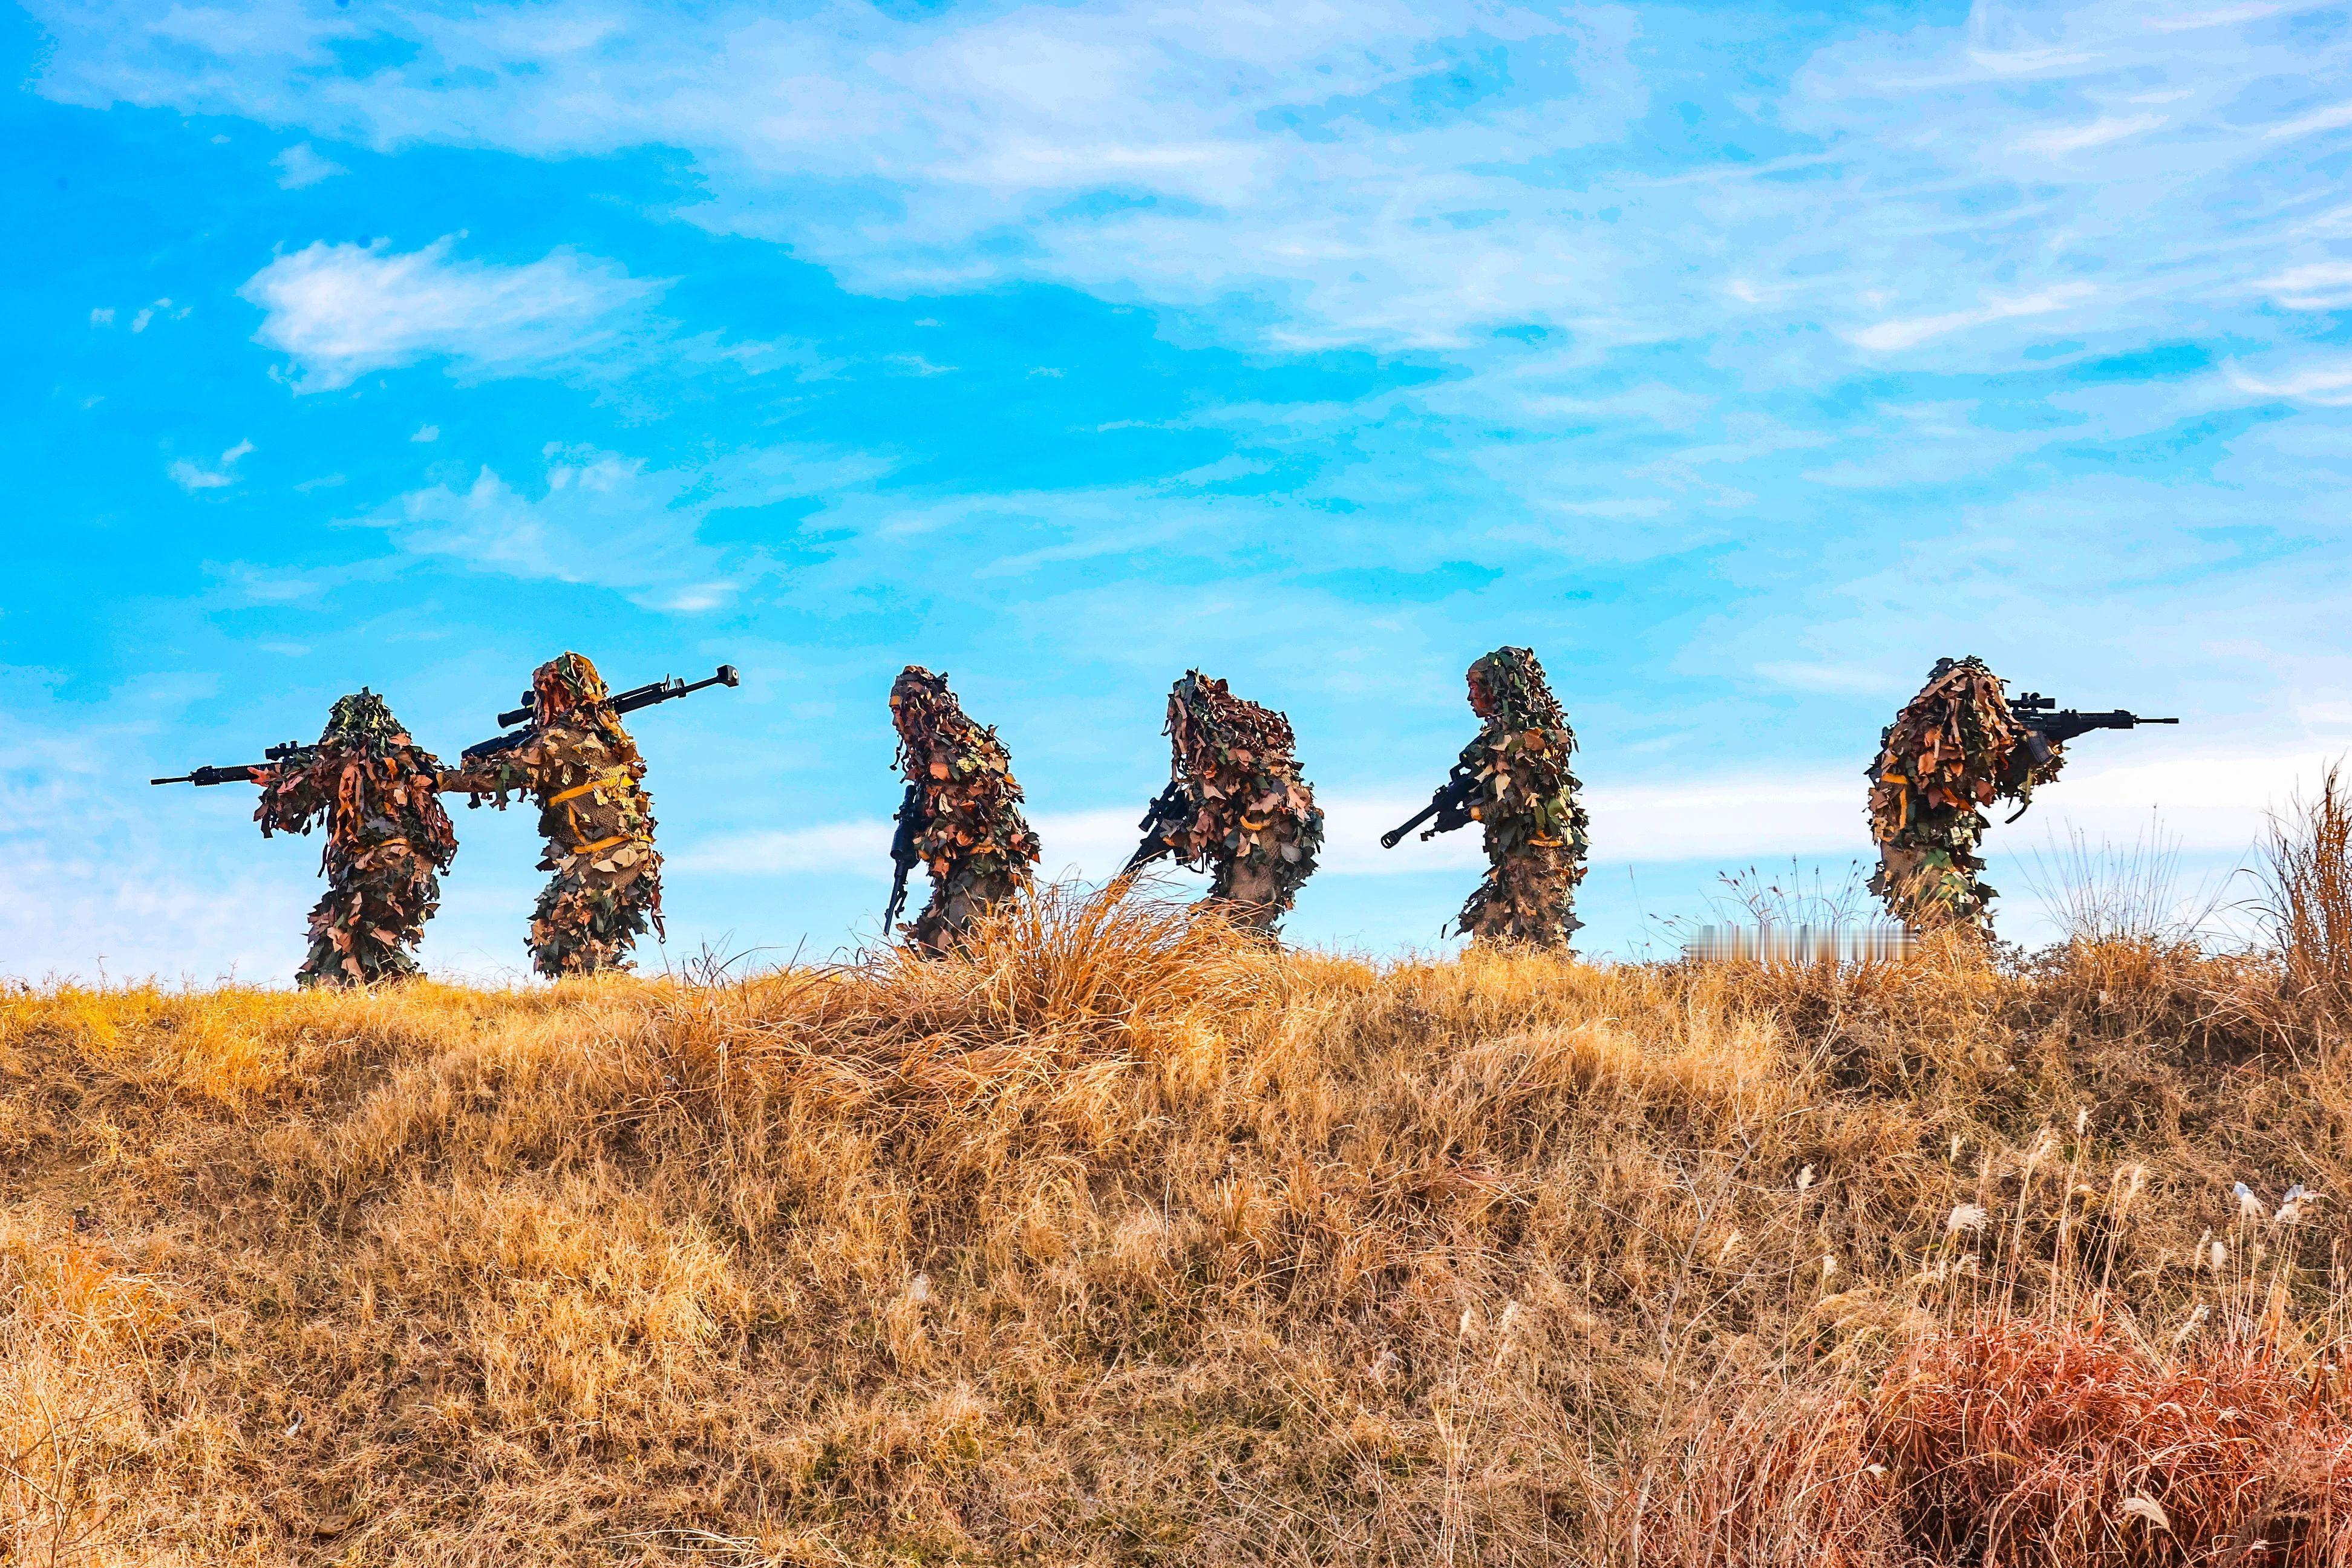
(1123, 1239)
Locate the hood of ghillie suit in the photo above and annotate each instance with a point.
(926, 714)
(1956, 745)
(1204, 719)
(1518, 695)
(564, 686)
(362, 721)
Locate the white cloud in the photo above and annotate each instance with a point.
(2317, 285)
(301, 166)
(1904, 334)
(2328, 119)
(104, 316)
(1371, 172)
(193, 477)
(2061, 139)
(427, 433)
(2330, 387)
(1850, 680)
(615, 522)
(340, 310)
(93, 878)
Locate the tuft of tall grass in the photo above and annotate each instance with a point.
(2133, 893)
(2307, 893)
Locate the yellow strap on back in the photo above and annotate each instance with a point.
(600, 844)
(615, 776)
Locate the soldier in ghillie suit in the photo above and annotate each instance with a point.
(1235, 805)
(577, 761)
(961, 816)
(1524, 798)
(1955, 747)
(388, 840)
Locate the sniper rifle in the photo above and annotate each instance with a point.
(234, 773)
(667, 688)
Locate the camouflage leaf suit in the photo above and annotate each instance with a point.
(1255, 826)
(1953, 748)
(1536, 832)
(966, 825)
(388, 840)
(583, 770)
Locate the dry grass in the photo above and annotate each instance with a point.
(1123, 1238)
(2308, 893)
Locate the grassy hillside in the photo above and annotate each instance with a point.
(1123, 1240)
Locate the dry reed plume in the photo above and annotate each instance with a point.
(1124, 1238)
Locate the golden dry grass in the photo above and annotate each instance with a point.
(1121, 1240)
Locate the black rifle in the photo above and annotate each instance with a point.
(234, 773)
(1450, 803)
(904, 858)
(2046, 725)
(629, 702)
(1171, 812)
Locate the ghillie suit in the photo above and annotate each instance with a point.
(1526, 805)
(581, 766)
(1237, 808)
(1953, 748)
(961, 816)
(388, 840)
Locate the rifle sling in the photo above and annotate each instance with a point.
(614, 776)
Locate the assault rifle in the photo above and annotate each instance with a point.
(234, 773)
(1450, 803)
(1171, 812)
(667, 688)
(2046, 725)
(904, 857)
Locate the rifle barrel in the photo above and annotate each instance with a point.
(1395, 836)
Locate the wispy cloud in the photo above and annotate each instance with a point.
(602, 518)
(2329, 386)
(340, 310)
(192, 476)
(1384, 173)
(2059, 139)
(301, 164)
(2315, 286)
(1917, 329)
(2333, 117)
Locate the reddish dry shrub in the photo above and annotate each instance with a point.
(2019, 1439)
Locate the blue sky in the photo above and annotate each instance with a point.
(1742, 359)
